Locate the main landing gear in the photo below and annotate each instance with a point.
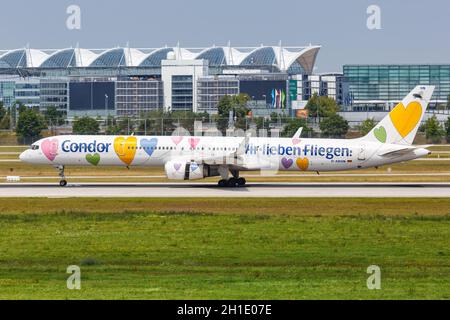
(63, 181)
(232, 182)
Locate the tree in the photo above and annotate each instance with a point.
(112, 128)
(448, 102)
(433, 130)
(334, 126)
(447, 129)
(157, 122)
(30, 125)
(238, 105)
(260, 122)
(53, 117)
(16, 108)
(293, 125)
(366, 126)
(322, 106)
(86, 125)
(5, 120)
(186, 119)
(2, 110)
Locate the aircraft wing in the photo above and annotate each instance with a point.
(234, 159)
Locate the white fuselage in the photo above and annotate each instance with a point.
(284, 154)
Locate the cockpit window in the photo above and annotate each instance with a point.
(34, 147)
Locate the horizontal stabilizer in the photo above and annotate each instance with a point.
(397, 152)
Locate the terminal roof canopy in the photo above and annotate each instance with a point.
(154, 58)
(285, 59)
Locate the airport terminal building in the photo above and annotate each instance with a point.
(130, 81)
(380, 87)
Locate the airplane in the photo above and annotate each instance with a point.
(198, 157)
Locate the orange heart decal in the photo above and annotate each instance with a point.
(302, 163)
(406, 119)
(125, 149)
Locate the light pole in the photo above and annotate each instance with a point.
(106, 109)
(106, 104)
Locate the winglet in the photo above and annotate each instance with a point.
(298, 133)
(243, 145)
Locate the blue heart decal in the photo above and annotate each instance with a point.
(149, 146)
(194, 166)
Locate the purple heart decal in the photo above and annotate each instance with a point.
(287, 163)
(177, 166)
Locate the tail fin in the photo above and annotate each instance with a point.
(401, 124)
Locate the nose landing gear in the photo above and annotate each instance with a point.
(63, 181)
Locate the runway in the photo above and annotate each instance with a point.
(254, 190)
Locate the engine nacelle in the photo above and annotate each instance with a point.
(176, 170)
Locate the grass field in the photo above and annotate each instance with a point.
(225, 248)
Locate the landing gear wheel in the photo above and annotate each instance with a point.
(222, 183)
(63, 181)
(241, 182)
(233, 183)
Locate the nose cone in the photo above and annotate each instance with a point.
(24, 156)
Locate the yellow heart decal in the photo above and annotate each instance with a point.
(126, 149)
(302, 163)
(406, 119)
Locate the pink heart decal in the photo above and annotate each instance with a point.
(50, 148)
(296, 141)
(177, 166)
(177, 139)
(194, 142)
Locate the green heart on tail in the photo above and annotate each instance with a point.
(93, 159)
(380, 134)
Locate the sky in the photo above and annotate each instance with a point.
(411, 31)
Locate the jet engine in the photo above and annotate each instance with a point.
(177, 170)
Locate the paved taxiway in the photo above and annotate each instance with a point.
(177, 190)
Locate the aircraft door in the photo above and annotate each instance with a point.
(362, 152)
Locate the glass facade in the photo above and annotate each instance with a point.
(110, 59)
(62, 59)
(136, 97)
(211, 89)
(215, 56)
(7, 94)
(14, 59)
(378, 85)
(154, 59)
(92, 96)
(28, 92)
(182, 92)
(260, 57)
(54, 92)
